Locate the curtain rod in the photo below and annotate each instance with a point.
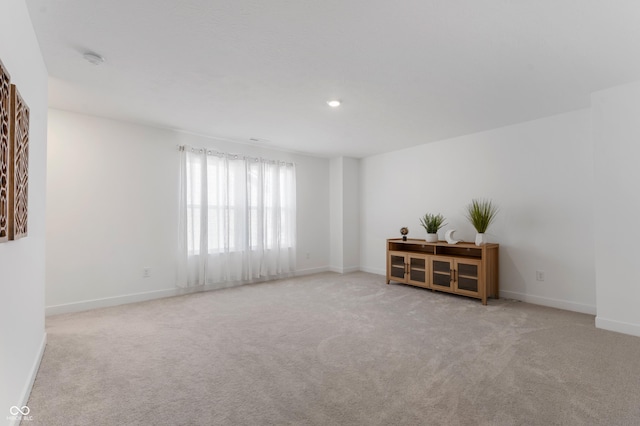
(231, 156)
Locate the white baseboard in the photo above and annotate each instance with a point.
(310, 271)
(346, 270)
(26, 390)
(86, 305)
(374, 270)
(618, 326)
(552, 303)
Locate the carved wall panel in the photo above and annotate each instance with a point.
(4, 152)
(19, 159)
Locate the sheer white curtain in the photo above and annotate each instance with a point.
(237, 218)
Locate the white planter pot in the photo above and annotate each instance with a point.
(480, 239)
(432, 238)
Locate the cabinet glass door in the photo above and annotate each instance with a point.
(468, 275)
(418, 271)
(441, 273)
(397, 266)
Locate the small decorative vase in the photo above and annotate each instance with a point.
(449, 237)
(432, 238)
(480, 239)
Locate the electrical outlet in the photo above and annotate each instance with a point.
(308, 256)
(146, 272)
(539, 275)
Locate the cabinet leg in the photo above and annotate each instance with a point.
(388, 281)
(484, 301)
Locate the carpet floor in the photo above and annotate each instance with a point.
(331, 349)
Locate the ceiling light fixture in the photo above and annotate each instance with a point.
(93, 58)
(334, 103)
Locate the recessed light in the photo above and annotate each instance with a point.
(333, 103)
(93, 58)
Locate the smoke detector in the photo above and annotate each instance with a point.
(93, 58)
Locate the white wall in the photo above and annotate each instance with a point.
(112, 191)
(336, 207)
(345, 214)
(540, 174)
(351, 214)
(616, 129)
(22, 262)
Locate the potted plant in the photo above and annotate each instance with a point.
(481, 214)
(431, 223)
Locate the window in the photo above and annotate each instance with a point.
(238, 205)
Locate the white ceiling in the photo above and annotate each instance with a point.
(408, 71)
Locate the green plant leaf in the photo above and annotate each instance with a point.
(481, 214)
(432, 222)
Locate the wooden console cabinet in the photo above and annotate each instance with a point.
(462, 268)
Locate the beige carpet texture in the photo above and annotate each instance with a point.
(331, 349)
